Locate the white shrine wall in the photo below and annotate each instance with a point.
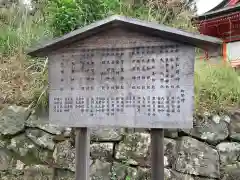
(233, 50)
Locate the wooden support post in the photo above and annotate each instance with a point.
(82, 153)
(157, 154)
(225, 55)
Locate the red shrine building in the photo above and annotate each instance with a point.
(223, 21)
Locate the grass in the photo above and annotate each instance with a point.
(19, 30)
(23, 80)
(217, 87)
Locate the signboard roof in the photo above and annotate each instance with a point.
(149, 28)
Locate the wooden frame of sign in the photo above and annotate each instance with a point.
(122, 72)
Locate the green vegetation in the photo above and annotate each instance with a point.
(24, 80)
(19, 29)
(217, 87)
(67, 15)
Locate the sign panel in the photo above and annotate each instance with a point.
(132, 83)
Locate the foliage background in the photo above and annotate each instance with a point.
(67, 15)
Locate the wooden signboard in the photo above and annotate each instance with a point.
(122, 72)
(122, 79)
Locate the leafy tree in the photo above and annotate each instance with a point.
(64, 15)
(67, 15)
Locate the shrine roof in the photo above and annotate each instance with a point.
(148, 28)
(219, 12)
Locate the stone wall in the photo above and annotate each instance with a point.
(32, 149)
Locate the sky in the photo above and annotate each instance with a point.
(26, 2)
(206, 5)
(202, 5)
